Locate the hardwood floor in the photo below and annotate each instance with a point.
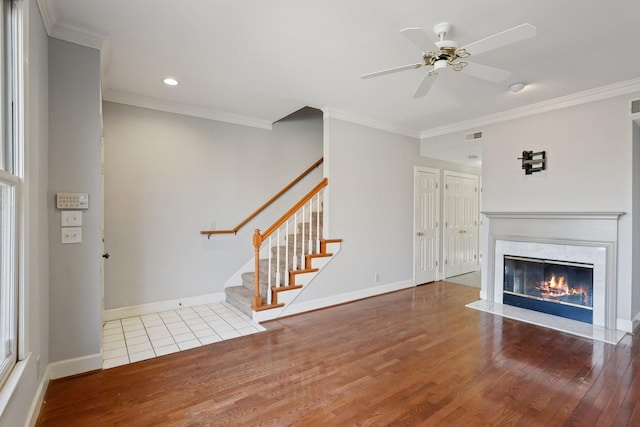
(413, 357)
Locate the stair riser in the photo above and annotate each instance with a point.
(314, 223)
(278, 255)
(243, 304)
(286, 264)
(301, 244)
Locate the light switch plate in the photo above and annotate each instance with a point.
(71, 235)
(71, 218)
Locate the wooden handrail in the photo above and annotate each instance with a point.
(289, 213)
(265, 205)
(258, 238)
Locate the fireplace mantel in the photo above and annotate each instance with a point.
(568, 231)
(551, 226)
(555, 215)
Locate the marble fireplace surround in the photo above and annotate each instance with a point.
(589, 237)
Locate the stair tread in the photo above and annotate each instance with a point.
(243, 294)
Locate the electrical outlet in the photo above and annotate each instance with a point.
(212, 225)
(376, 277)
(71, 235)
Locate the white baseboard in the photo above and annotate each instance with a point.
(80, 365)
(38, 399)
(156, 307)
(301, 307)
(635, 323)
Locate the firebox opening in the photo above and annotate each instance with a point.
(555, 287)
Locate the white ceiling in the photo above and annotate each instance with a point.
(252, 61)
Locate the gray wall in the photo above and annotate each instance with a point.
(168, 176)
(74, 166)
(589, 168)
(370, 206)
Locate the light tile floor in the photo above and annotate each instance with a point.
(138, 338)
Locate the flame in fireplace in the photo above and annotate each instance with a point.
(557, 287)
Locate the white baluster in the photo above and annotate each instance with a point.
(277, 283)
(286, 255)
(303, 242)
(310, 226)
(317, 223)
(269, 246)
(295, 241)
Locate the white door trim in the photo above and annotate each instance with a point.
(436, 172)
(445, 215)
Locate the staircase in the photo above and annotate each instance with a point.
(290, 265)
(287, 256)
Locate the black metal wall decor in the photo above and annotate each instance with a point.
(531, 159)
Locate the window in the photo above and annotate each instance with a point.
(9, 183)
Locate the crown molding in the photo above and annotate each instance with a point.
(77, 35)
(330, 112)
(591, 95)
(100, 42)
(66, 32)
(80, 36)
(48, 14)
(187, 110)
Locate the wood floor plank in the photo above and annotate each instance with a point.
(412, 357)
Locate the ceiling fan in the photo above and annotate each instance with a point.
(448, 55)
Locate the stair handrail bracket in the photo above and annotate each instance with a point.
(288, 241)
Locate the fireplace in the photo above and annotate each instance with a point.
(549, 286)
(588, 240)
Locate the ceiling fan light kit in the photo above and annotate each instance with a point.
(449, 55)
(440, 64)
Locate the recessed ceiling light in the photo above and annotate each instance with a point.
(170, 81)
(517, 87)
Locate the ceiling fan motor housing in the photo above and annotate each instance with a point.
(442, 29)
(448, 55)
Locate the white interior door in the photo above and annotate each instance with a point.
(460, 223)
(426, 224)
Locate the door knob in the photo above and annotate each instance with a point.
(106, 255)
(420, 233)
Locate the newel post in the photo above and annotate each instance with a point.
(257, 242)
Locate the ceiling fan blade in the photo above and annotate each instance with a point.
(418, 37)
(504, 38)
(485, 72)
(390, 70)
(424, 87)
